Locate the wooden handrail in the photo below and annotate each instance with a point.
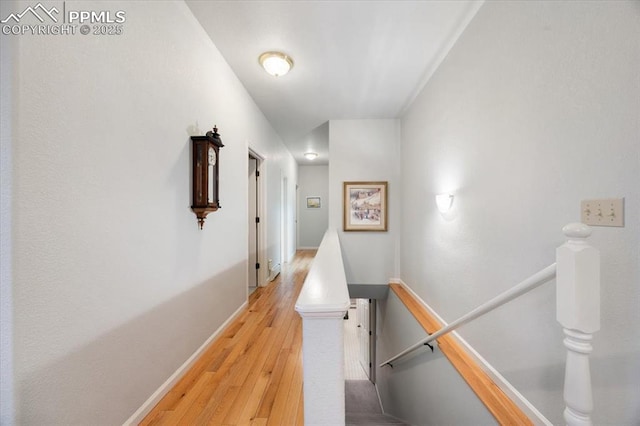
(525, 286)
(503, 409)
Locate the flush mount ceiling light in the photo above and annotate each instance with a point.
(276, 63)
(310, 155)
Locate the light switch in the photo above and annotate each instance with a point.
(605, 212)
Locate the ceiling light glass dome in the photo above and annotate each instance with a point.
(276, 63)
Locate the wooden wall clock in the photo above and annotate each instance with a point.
(206, 162)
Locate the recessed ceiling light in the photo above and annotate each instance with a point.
(310, 155)
(276, 63)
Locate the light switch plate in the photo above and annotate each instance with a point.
(605, 212)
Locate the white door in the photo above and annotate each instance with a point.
(364, 334)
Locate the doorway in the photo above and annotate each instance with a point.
(359, 331)
(253, 218)
(284, 226)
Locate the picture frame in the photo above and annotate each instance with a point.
(365, 206)
(314, 202)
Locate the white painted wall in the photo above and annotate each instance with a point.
(114, 284)
(8, 81)
(313, 181)
(278, 163)
(535, 108)
(366, 150)
(292, 205)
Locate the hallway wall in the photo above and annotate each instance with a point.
(535, 108)
(366, 150)
(115, 286)
(7, 131)
(313, 181)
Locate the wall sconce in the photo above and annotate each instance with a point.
(444, 202)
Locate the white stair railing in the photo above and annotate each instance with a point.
(525, 286)
(322, 304)
(577, 273)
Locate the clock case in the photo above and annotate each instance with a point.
(201, 204)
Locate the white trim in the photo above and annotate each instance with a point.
(307, 248)
(255, 153)
(527, 407)
(263, 254)
(382, 407)
(148, 405)
(274, 272)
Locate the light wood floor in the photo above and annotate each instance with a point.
(252, 374)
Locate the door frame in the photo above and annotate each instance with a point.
(284, 220)
(262, 214)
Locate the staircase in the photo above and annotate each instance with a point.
(362, 406)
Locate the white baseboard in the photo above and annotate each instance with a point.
(307, 248)
(536, 416)
(148, 405)
(382, 407)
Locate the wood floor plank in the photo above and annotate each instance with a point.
(156, 420)
(280, 408)
(231, 374)
(249, 382)
(300, 413)
(264, 409)
(293, 398)
(252, 374)
(195, 400)
(250, 410)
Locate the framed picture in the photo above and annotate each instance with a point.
(313, 203)
(365, 206)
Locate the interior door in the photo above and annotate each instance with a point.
(364, 334)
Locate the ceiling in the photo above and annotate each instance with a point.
(353, 59)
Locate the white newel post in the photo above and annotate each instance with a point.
(578, 311)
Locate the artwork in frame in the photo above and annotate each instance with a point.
(314, 202)
(365, 206)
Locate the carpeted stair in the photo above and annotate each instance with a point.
(362, 406)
